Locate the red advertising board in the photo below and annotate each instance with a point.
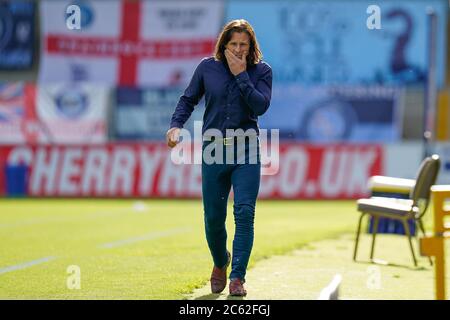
(146, 170)
(323, 172)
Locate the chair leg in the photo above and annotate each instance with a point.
(358, 231)
(408, 233)
(374, 234)
(419, 222)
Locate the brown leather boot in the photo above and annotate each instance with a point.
(237, 288)
(219, 277)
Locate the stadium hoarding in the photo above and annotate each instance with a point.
(335, 79)
(16, 35)
(146, 170)
(145, 114)
(336, 171)
(16, 112)
(323, 114)
(315, 115)
(59, 113)
(329, 42)
(155, 43)
(328, 171)
(73, 113)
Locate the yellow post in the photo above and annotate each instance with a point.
(440, 193)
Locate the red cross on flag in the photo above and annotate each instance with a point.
(128, 43)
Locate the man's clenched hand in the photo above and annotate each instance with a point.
(172, 136)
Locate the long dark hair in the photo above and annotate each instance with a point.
(240, 25)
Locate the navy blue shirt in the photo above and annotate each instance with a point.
(232, 102)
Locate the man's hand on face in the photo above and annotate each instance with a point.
(236, 64)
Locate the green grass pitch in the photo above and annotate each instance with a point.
(139, 249)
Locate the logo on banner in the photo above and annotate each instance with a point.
(328, 120)
(79, 72)
(6, 26)
(71, 103)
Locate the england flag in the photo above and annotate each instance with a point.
(127, 43)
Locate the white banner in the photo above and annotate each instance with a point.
(128, 42)
(73, 114)
(187, 32)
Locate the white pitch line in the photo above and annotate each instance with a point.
(149, 236)
(91, 216)
(25, 264)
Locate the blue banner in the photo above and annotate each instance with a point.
(336, 114)
(16, 34)
(145, 114)
(329, 42)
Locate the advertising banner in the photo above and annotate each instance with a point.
(336, 114)
(73, 113)
(146, 170)
(16, 35)
(338, 42)
(144, 114)
(17, 113)
(127, 43)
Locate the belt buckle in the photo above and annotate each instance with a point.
(225, 143)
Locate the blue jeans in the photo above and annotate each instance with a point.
(217, 180)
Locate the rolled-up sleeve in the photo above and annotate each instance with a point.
(258, 95)
(192, 95)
